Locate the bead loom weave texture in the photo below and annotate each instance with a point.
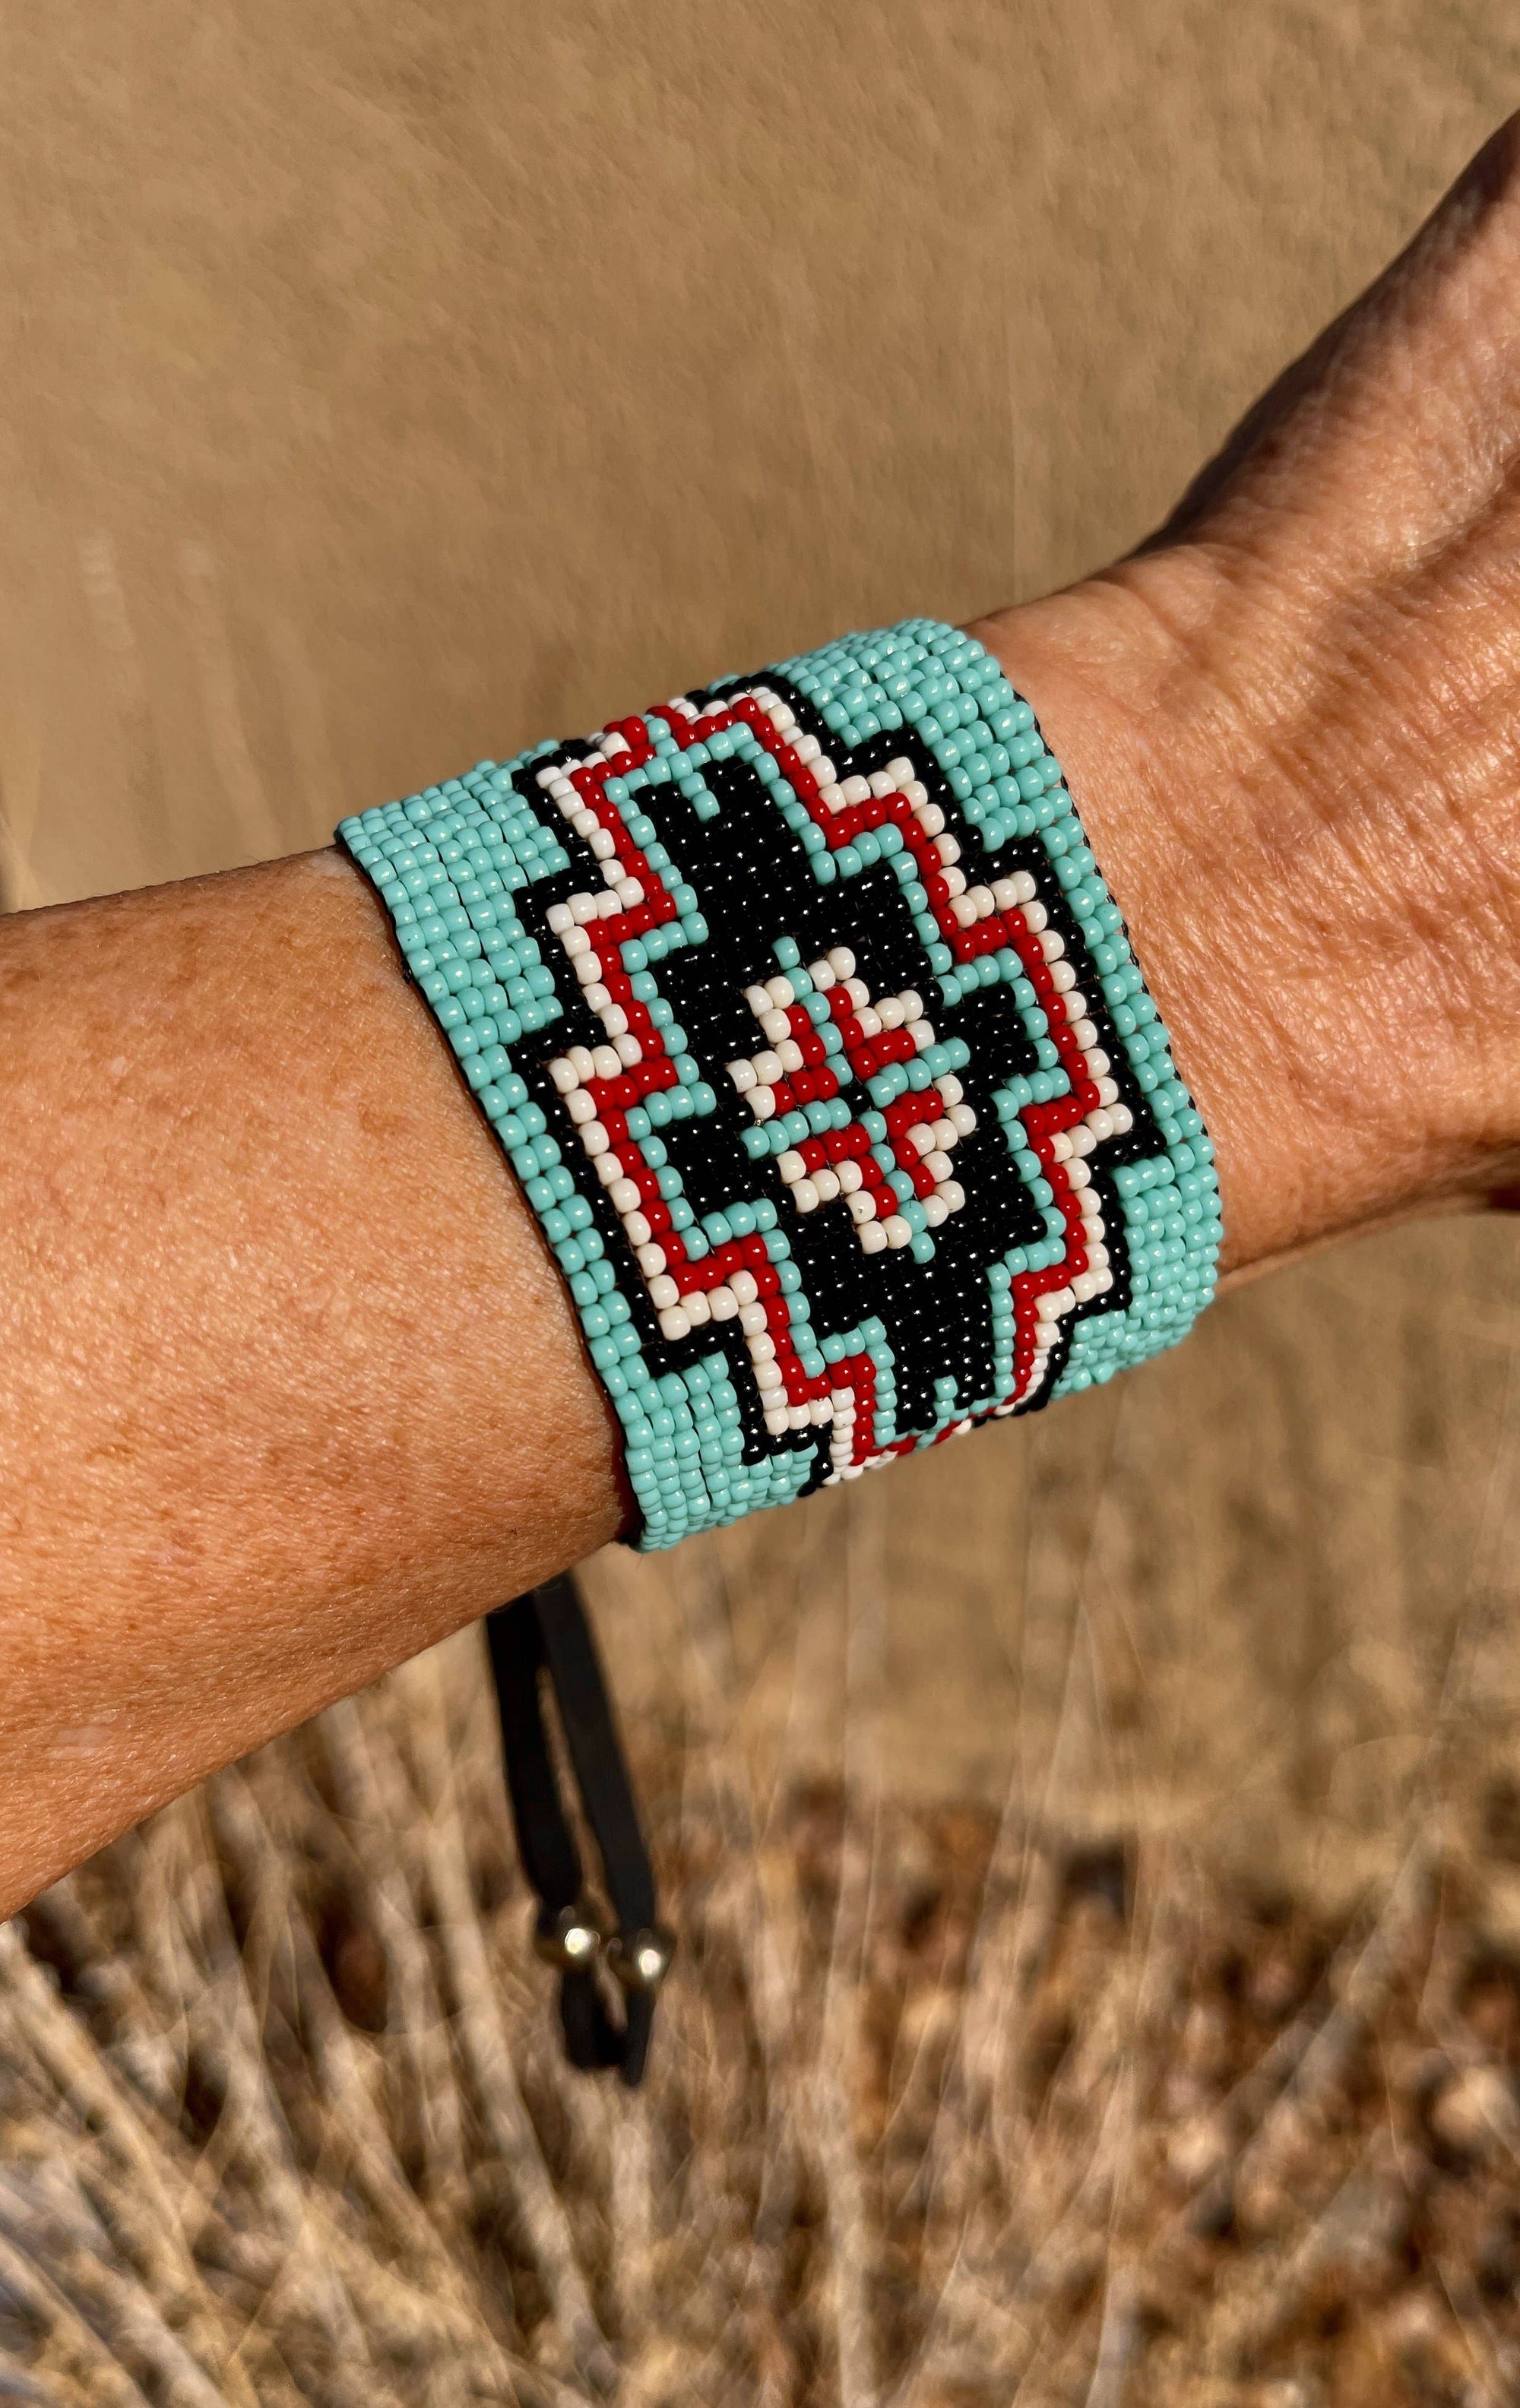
(811, 1029)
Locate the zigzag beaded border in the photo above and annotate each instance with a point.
(701, 1329)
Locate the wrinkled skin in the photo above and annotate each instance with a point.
(1293, 725)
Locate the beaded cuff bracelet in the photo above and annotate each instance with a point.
(816, 1039)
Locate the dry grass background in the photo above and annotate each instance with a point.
(1097, 1847)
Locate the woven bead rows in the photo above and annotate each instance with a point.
(818, 1044)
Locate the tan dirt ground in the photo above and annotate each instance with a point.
(387, 386)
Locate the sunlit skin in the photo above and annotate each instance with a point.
(289, 1388)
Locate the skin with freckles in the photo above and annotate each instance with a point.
(289, 1386)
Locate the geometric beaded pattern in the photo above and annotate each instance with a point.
(806, 1020)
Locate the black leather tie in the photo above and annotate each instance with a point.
(545, 1634)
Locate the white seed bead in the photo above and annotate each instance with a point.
(1123, 1119)
(674, 1323)
(961, 1117)
(1100, 1124)
(873, 1237)
(790, 1056)
(775, 1025)
(762, 1103)
(822, 975)
(606, 1061)
(564, 1074)
(742, 1284)
(638, 1229)
(804, 1196)
(752, 1317)
(850, 1176)
(841, 960)
(768, 1067)
(725, 1303)
(828, 1185)
(623, 1195)
(663, 1292)
(791, 1165)
(953, 1192)
(781, 992)
(898, 1230)
(742, 1075)
(937, 1166)
(652, 1260)
(862, 1206)
(698, 1310)
(935, 1210)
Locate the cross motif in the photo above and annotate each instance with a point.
(824, 1033)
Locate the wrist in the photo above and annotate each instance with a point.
(1316, 1014)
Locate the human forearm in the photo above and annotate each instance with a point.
(288, 1386)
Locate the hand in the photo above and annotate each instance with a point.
(1292, 725)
